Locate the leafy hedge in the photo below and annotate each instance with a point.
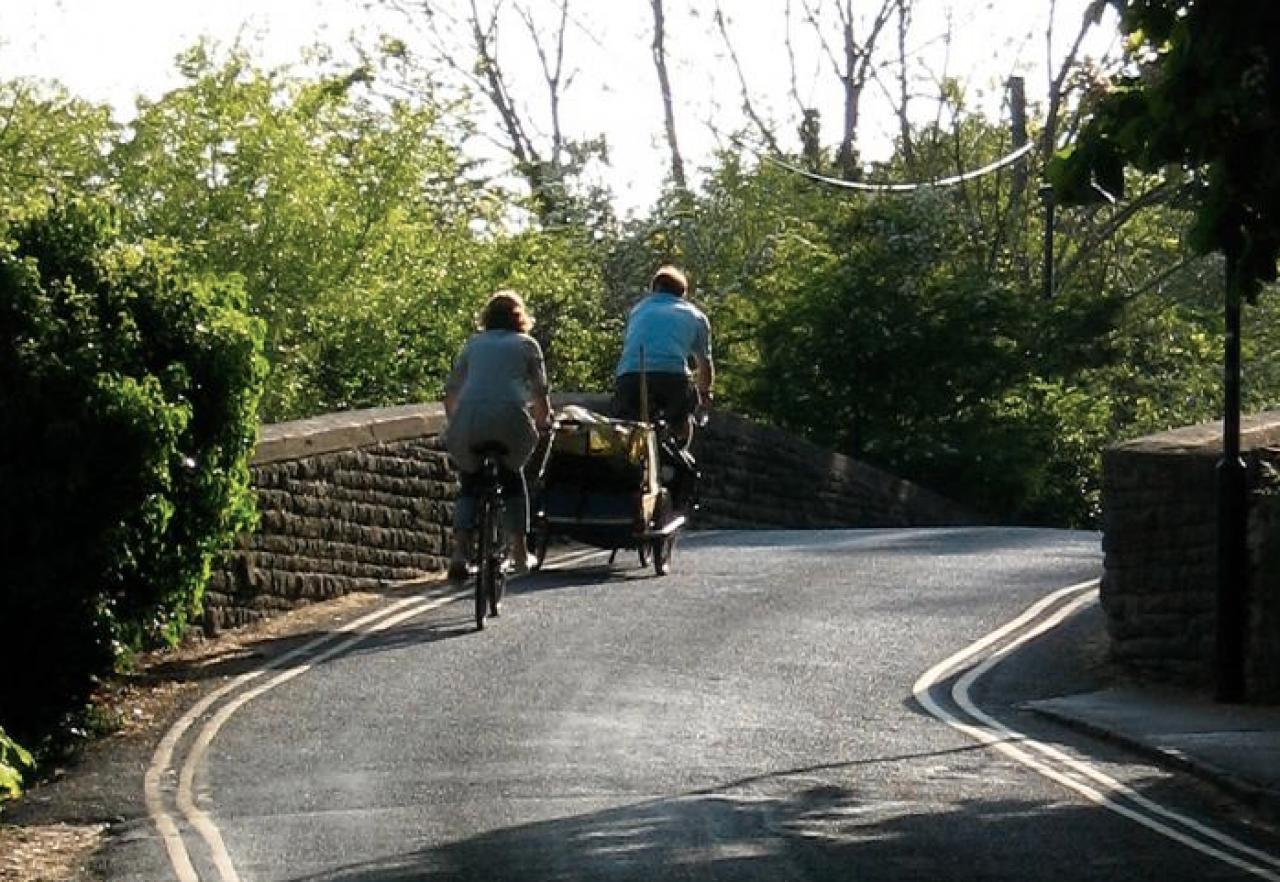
(16, 764)
(128, 412)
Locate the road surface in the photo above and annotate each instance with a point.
(820, 705)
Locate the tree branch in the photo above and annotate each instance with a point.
(748, 107)
(659, 51)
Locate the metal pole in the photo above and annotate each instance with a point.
(1050, 209)
(1233, 548)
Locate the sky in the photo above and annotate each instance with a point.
(114, 50)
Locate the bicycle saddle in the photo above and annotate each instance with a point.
(497, 448)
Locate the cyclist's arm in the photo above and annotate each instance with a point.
(453, 384)
(541, 397)
(542, 410)
(706, 376)
(706, 367)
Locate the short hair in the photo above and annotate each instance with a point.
(670, 279)
(506, 311)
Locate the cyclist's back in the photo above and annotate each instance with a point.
(664, 333)
(496, 381)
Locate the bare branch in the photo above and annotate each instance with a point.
(1157, 195)
(801, 107)
(811, 15)
(484, 40)
(553, 74)
(904, 95)
(851, 64)
(765, 131)
(664, 84)
(1058, 80)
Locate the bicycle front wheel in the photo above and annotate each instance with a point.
(664, 545)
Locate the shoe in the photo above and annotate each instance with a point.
(457, 571)
(520, 567)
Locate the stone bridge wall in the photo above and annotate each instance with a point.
(362, 499)
(1159, 584)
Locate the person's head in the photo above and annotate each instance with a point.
(505, 311)
(669, 279)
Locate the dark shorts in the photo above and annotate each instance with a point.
(671, 395)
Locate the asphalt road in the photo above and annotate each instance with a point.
(782, 706)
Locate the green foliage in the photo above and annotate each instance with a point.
(841, 345)
(911, 330)
(16, 766)
(50, 141)
(893, 329)
(128, 394)
(905, 329)
(559, 274)
(347, 211)
(1203, 96)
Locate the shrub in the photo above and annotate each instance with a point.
(16, 764)
(128, 396)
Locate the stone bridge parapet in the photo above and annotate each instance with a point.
(1160, 582)
(357, 500)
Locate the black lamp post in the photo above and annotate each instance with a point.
(1050, 212)
(1233, 547)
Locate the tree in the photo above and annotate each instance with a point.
(128, 412)
(659, 52)
(1201, 98)
(530, 126)
(847, 45)
(50, 141)
(347, 208)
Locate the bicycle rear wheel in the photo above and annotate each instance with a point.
(497, 584)
(663, 548)
(485, 553)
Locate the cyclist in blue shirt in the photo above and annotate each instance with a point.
(667, 342)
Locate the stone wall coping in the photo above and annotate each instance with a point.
(347, 430)
(1258, 430)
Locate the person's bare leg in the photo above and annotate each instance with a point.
(461, 556)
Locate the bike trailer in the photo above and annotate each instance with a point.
(600, 482)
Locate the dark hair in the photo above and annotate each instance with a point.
(669, 279)
(505, 311)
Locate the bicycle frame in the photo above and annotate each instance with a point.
(491, 540)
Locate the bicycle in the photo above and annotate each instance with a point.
(678, 501)
(490, 550)
(679, 477)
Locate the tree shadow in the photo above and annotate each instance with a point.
(570, 576)
(245, 654)
(750, 830)
(248, 655)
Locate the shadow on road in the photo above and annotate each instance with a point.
(742, 832)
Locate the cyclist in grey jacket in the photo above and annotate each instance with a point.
(496, 391)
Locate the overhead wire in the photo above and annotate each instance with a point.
(868, 187)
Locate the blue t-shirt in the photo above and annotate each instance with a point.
(663, 332)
